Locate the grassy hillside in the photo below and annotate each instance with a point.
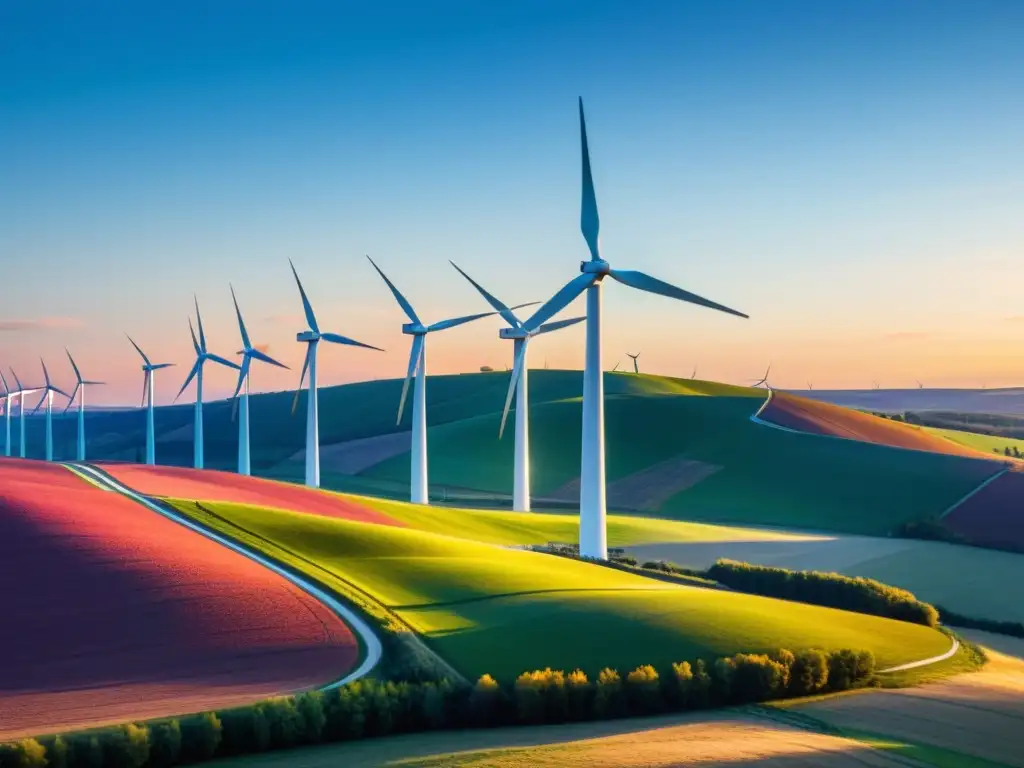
(489, 609)
(986, 443)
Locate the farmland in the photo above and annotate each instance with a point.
(119, 613)
(471, 600)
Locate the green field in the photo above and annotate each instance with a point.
(490, 609)
(986, 443)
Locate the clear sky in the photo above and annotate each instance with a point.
(851, 174)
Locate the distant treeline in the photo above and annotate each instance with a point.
(1011, 628)
(996, 424)
(372, 708)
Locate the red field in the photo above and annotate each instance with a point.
(112, 612)
(817, 418)
(994, 516)
(210, 485)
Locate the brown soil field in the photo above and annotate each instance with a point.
(994, 516)
(114, 613)
(980, 714)
(819, 418)
(648, 489)
(211, 485)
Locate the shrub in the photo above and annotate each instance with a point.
(643, 690)
(486, 702)
(829, 589)
(200, 736)
(808, 673)
(746, 678)
(311, 708)
(164, 744)
(848, 669)
(285, 726)
(579, 695)
(27, 753)
(126, 746)
(609, 700)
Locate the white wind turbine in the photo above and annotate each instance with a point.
(593, 534)
(21, 392)
(48, 389)
(418, 491)
(521, 338)
(312, 339)
(8, 396)
(202, 355)
(79, 390)
(148, 369)
(248, 353)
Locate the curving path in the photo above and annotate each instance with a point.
(112, 613)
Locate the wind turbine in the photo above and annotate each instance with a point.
(616, 367)
(593, 533)
(202, 355)
(919, 384)
(248, 353)
(148, 369)
(636, 364)
(48, 389)
(418, 491)
(694, 374)
(80, 391)
(810, 387)
(521, 340)
(764, 379)
(8, 396)
(312, 339)
(21, 411)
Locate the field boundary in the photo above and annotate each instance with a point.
(969, 494)
(370, 643)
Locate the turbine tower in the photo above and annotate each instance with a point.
(48, 389)
(79, 390)
(312, 339)
(636, 364)
(202, 355)
(520, 371)
(248, 353)
(21, 392)
(418, 364)
(148, 369)
(593, 534)
(8, 396)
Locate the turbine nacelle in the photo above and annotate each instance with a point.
(598, 267)
(414, 329)
(307, 336)
(513, 333)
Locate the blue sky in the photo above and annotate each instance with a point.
(848, 173)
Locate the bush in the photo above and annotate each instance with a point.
(808, 673)
(486, 702)
(125, 747)
(644, 690)
(27, 753)
(848, 669)
(200, 736)
(830, 589)
(164, 744)
(609, 700)
(747, 678)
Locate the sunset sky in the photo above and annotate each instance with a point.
(850, 174)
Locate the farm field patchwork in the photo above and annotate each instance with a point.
(123, 614)
(993, 516)
(489, 609)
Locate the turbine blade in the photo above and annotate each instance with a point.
(505, 312)
(145, 387)
(560, 300)
(306, 306)
(60, 391)
(7, 390)
(234, 410)
(195, 344)
(445, 324)
(243, 371)
(337, 338)
(139, 350)
(78, 375)
(46, 394)
(650, 284)
(525, 304)
(256, 354)
(513, 382)
(302, 378)
(241, 322)
(17, 381)
(590, 223)
(158, 366)
(414, 358)
(222, 361)
(402, 301)
(191, 375)
(46, 374)
(72, 398)
(94, 383)
(558, 325)
(199, 321)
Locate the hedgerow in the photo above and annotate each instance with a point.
(380, 708)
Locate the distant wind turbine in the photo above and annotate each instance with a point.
(636, 361)
(874, 385)
(764, 379)
(8, 396)
(21, 411)
(593, 531)
(79, 390)
(248, 353)
(148, 369)
(202, 355)
(919, 384)
(519, 384)
(419, 485)
(617, 364)
(694, 374)
(810, 387)
(312, 339)
(48, 389)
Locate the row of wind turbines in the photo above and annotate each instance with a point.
(521, 331)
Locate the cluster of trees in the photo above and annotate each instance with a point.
(829, 589)
(373, 708)
(1011, 628)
